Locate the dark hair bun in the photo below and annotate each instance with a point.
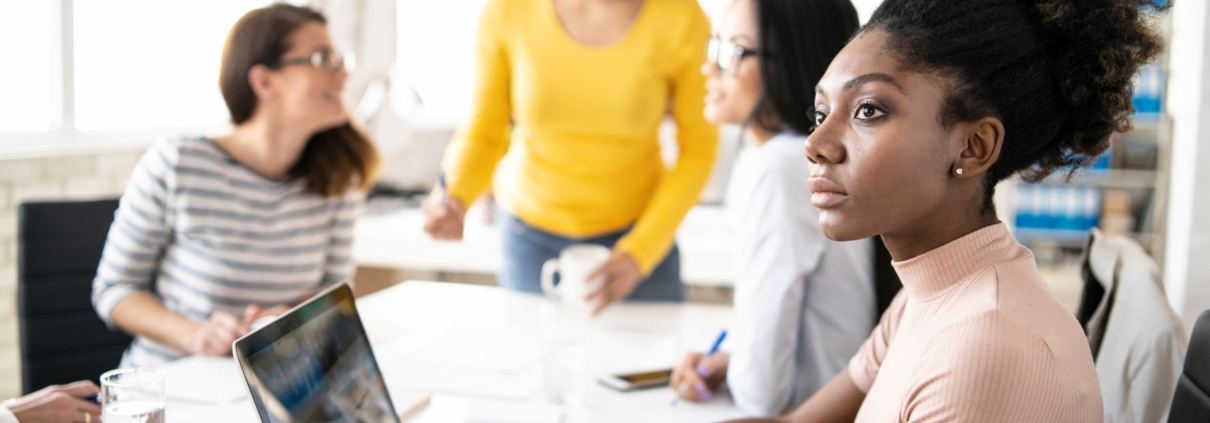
(1098, 46)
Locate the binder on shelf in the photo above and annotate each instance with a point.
(1148, 92)
(1057, 212)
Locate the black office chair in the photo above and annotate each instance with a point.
(1191, 402)
(58, 248)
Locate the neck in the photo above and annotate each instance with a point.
(268, 148)
(758, 135)
(950, 221)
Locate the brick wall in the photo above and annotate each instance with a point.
(76, 176)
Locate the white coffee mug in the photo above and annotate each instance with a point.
(574, 265)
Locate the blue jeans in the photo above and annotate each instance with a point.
(526, 248)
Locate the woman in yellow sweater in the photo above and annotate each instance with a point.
(579, 89)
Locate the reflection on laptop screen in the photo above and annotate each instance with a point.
(315, 365)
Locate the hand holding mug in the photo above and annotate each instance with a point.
(621, 275)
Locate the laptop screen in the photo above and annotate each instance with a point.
(314, 364)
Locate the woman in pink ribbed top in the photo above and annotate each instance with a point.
(917, 119)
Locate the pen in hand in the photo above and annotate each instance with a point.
(718, 342)
(445, 193)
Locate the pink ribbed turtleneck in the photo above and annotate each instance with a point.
(976, 336)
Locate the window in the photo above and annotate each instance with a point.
(435, 51)
(144, 64)
(27, 80)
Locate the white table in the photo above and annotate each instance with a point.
(627, 337)
(396, 240)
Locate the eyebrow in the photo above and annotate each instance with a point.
(869, 77)
(741, 37)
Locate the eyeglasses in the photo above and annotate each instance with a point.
(326, 61)
(726, 55)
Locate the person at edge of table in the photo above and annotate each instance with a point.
(568, 101)
(917, 119)
(214, 233)
(803, 303)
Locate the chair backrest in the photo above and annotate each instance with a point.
(1191, 402)
(58, 248)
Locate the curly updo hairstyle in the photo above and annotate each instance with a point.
(1057, 73)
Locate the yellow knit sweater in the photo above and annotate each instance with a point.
(583, 121)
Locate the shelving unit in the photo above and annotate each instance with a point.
(1135, 179)
(1112, 178)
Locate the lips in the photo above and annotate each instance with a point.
(825, 193)
(714, 91)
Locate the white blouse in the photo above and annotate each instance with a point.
(803, 303)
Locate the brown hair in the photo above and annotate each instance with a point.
(333, 160)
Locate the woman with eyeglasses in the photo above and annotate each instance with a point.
(803, 303)
(214, 233)
(569, 99)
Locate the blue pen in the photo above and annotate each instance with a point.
(445, 196)
(718, 342)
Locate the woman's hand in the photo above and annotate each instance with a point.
(621, 274)
(254, 312)
(56, 403)
(698, 376)
(214, 337)
(444, 221)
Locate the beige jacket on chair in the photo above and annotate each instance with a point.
(1137, 339)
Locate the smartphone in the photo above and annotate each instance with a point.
(634, 381)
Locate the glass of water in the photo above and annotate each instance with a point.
(132, 396)
(564, 353)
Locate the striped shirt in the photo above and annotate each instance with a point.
(204, 233)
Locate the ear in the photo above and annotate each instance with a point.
(260, 79)
(984, 138)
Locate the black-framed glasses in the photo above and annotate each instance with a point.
(324, 60)
(727, 55)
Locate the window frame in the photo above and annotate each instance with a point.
(63, 135)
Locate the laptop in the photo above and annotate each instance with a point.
(314, 364)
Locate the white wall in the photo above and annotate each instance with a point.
(1186, 268)
(865, 8)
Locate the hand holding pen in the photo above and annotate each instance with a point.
(698, 375)
(443, 214)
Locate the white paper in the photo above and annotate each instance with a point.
(513, 412)
(204, 380)
(496, 350)
(406, 376)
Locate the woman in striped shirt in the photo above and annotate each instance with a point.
(214, 233)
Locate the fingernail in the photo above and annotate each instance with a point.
(703, 371)
(702, 391)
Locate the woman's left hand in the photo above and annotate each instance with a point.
(622, 276)
(254, 312)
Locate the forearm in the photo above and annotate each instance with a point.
(676, 194)
(836, 402)
(471, 161)
(142, 314)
